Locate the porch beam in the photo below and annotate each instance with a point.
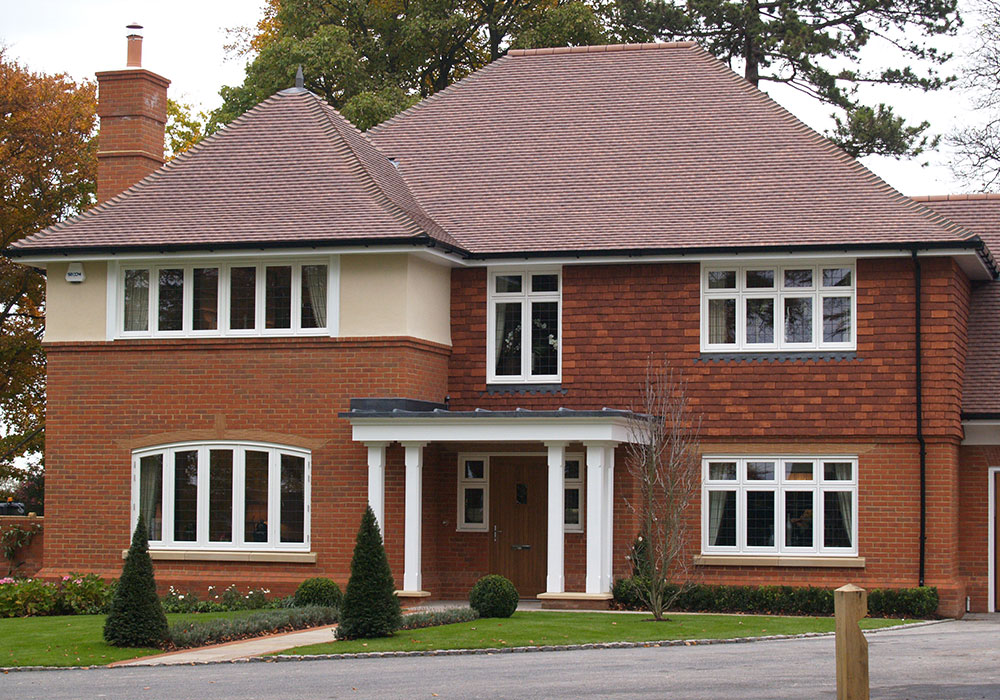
(554, 579)
(414, 461)
(376, 481)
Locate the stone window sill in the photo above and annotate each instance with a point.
(229, 555)
(754, 560)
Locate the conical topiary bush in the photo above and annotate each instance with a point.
(370, 607)
(136, 618)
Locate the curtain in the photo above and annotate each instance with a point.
(314, 284)
(150, 491)
(136, 300)
(844, 498)
(716, 506)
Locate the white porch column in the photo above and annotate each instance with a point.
(376, 481)
(595, 517)
(608, 526)
(554, 580)
(414, 460)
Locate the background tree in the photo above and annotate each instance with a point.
(48, 165)
(977, 148)
(184, 128)
(664, 458)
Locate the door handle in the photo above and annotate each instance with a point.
(520, 546)
(496, 531)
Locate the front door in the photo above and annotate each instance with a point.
(517, 510)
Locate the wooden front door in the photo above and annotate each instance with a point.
(518, 525)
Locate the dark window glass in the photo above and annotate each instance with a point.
(760, 321)
(760, 471)
(837, 471)
(572, 469)
(474, 511)
(255, 497)
(722, 471)
(314, 278)
(722, 518)
(837, 277)
(545, 338)
(545, 283)
(508, 339)
(475, 469)
(243, 298)
(836, 319)
(799, 518)
(572, 507)
(136, 300)
(508, 284)
(278, 297)
(521, 494)
(206, 299)
(798, 320)
(760, 279)
(798, 278)
(722, 321)
(722, 279)
(186, 496)
(798, 471)
(220, 496)
(171, 312)
(760, 518)
(293, 498)
(151, 495)
(837, 518)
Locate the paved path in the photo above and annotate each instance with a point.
(954, 660)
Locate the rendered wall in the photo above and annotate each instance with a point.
(76, 312)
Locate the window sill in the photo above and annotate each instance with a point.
(229, 555)
(783, 356)
(778, 560)
(525, 388)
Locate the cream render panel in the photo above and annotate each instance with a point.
(77, 311)
(395, 295)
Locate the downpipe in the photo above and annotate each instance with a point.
(920, 416)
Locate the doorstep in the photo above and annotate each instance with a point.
(575, 601)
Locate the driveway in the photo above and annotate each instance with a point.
(950, 660)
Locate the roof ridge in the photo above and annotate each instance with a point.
(977, 196)
(601, 48)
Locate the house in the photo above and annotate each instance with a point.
(293, 319)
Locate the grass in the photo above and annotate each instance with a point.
(72, 640)
(555, 628)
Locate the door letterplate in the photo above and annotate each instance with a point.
(520, 546)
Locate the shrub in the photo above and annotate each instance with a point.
(436, 618)
(28, 597)
(370, 607)
(318, 591)
(493, 596)
(85, 594)
(136, 618)
(199, 633)
(903, 602)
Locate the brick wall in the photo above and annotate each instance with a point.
(974, 535)
(28, 560)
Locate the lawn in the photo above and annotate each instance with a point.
(554, 628)
(71, 640)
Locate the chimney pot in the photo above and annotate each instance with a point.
(134, 58)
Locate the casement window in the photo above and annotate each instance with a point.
(780, 505)
(778, 307)
(523, 326)
(223, 495)
(274, 298)
(474, 493)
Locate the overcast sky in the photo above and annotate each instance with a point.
(184, 40)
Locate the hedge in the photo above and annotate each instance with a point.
(782, 600)
(199, 633)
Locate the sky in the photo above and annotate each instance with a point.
(183, 41)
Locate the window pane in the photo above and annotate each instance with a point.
(508, 339)
(798, 278)
(837, 277)
(572, 469)
(722, 279)
(545, 283)
(151, 495)
(521, 494)
(136, 300)
(572, 507)
(722, 518)
(314, 278)
(798, 471)
(186, 496)
(508, 284)
(760, 279)
(171, 311)
(220, 496)
(837, 518)
(473, 508)
(799, 518)
(836, 319)
(278, 297)
(722, 321)
(242, 298)
(293, 498)
(206, 299)
(760, 471)
(760, 321)
(798, 320)
(722, 471)
(837, 471)
(545, 338)
(760, 518)
(475, 469)
(255, 497)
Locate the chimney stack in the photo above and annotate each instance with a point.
(132, 105)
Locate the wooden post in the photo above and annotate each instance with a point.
(850, 604)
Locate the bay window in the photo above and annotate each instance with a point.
(223, 495)
(779, 505)
(523, 326)
(778, 307)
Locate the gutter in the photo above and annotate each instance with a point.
(920, 416)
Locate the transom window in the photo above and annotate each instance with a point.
(523, 326)
(223, 495)
(786, 505)
(274, 298)
(780, 307)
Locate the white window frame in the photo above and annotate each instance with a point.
(117, 272)
(239, 449)
(484, 483)
(526, 297)
(779, 293)
(818, 486)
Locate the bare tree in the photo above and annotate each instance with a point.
(663, 456)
